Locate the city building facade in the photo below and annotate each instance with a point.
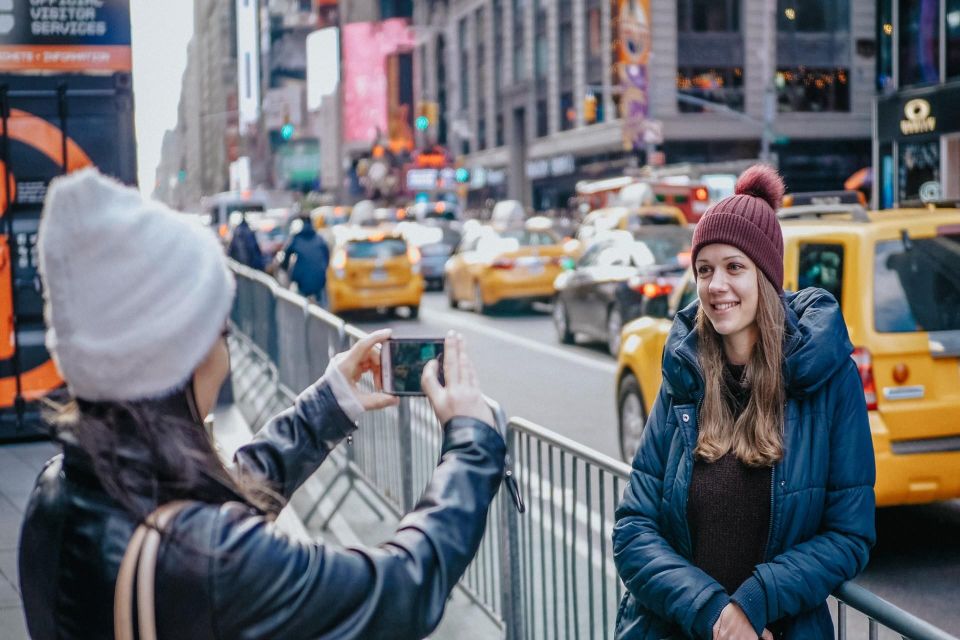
(527, 91)
(917, 121)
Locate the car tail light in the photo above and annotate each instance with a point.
(339, 262)
(700, 194)
(864, 361)
(650, 288)
(502, 263)
(401, 214)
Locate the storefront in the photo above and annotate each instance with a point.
(917, 148)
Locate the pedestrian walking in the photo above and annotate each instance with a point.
(244, 247)
(751, 497)
(137, 329)
(310, 255)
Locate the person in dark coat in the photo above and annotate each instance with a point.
(144, 376)
(751, 497)
(244, 247)
(310, 256)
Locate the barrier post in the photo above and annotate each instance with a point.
(513, 618)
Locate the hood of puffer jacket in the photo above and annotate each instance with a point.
(815, 345)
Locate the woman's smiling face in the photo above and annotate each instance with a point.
(728, 289)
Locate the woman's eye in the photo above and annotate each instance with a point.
(703, 271)
(735, 267)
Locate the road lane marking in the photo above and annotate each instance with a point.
(457, 320)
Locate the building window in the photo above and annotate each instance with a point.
(464, 65)
(807, 16)
(594, 61)
(499, 131)
(719, 85)
(479, 27)
(953, 39)
(497, 45)
(805, 89)
(885, 46)
(568, 111)
(542, 118)
(919, 45)
(540, 52)
(708, 15)
(566, 49)
(518, 40)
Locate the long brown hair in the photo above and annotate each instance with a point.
(756, 436)
(149, 452)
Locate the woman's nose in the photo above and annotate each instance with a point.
(717, 283)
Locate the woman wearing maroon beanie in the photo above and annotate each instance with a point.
(751, 497)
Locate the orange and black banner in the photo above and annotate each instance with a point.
(65, 36)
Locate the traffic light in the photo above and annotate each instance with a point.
(462, 175)
(427, 114)
(287, 131)
(590, 108)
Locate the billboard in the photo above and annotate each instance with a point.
(631, 53)
(65, 35)
(366, 48)
(248, 63)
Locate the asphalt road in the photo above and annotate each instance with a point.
(570, 390)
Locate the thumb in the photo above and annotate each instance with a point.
(378, 400)
(430, 383)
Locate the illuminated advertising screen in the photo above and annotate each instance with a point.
(65, 36)
(366, 48)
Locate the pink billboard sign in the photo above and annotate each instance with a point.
(366, 46)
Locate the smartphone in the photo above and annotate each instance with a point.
(402, 361)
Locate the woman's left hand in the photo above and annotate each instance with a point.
(362, 357)
(733, 624)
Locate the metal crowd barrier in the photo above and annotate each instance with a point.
(547, 573)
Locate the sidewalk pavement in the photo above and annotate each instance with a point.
(21, 463)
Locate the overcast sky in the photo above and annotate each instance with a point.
(161, 31)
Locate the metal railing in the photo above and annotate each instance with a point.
(546, 573)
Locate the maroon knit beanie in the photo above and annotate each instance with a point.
(748, 221)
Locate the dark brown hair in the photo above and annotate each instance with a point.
(149, 452)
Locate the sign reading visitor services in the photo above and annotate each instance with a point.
(65, 35)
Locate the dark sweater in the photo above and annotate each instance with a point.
(728, 506)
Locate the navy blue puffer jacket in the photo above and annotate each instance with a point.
(822, 516)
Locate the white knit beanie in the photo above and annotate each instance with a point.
(136, 294)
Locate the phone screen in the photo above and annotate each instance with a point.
(408, 357)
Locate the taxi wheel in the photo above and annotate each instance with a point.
(414, 312)
(478, 304)
(560, 321)
(632, 417)
(614, 328)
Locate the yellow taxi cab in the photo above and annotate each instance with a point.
(374, 270)
(894, 273)
(600, 222)
(491, 265)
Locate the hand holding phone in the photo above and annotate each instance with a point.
(460, 393)
(362, 358)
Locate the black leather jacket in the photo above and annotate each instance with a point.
(252, 581)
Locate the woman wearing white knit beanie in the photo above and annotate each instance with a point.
(137, 298)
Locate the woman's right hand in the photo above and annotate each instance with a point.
(733, 624)
(460, 394)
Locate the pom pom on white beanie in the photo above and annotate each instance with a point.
(135, 293)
